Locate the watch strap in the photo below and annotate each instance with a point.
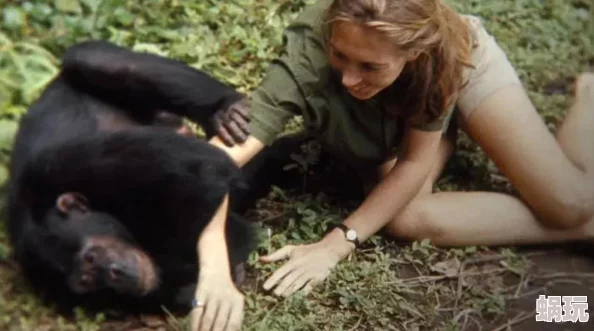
(346, 229)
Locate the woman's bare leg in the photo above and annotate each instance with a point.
(477, 218)
(576, 135)
(555, 179)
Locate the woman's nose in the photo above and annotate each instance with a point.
(350, 79)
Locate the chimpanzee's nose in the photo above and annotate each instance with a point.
(90, 256)
(115, 271)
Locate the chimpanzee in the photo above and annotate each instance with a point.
(108, 192)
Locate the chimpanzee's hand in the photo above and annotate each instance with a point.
(219, 305)
(231, 124)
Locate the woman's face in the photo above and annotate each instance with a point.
(367, 60)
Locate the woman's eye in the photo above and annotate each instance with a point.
(369, 67)
(338, 54)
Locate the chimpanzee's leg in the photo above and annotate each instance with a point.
(144, 83)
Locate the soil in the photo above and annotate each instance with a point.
(566, 271)
(573, 271)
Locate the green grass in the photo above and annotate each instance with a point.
(386, 286)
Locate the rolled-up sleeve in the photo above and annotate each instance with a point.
(277, 99)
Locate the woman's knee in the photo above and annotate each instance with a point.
(565, 211)
(524, 150)
(414, 223)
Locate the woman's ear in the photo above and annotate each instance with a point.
(412, 55)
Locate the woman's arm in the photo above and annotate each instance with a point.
(240, 153)
(224, 304)
(214, 233)
(310, 264)
(402, 183)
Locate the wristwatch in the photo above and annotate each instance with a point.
(349, 234)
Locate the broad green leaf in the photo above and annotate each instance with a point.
(13, 17)
(68, 6)
(7, 131)
(124, 16)
(93, 5)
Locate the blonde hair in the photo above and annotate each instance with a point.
(429, 84)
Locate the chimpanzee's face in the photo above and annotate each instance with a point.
(109, 262)
(95, 251)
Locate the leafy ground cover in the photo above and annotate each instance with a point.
(387, 285)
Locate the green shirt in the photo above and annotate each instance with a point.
(301, 82)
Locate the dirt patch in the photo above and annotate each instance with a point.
(558, 272)
(553, 270)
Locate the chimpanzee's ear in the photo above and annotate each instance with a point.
(71, 201)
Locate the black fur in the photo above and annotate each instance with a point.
(91, 132)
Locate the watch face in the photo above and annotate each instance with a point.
(351, 235)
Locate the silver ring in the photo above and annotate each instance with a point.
(197, 304)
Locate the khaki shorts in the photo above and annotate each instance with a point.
(492, 70)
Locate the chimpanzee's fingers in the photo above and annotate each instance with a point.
(219, 120)
(225, 136)
(242, 123)
(238, 135)
(241, 108)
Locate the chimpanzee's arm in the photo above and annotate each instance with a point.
(145, 82)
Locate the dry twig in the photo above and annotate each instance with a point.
(356, 324)
(516, 320)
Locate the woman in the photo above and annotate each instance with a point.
(377, 81)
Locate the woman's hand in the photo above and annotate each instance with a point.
(307, 265)
(219, 305)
